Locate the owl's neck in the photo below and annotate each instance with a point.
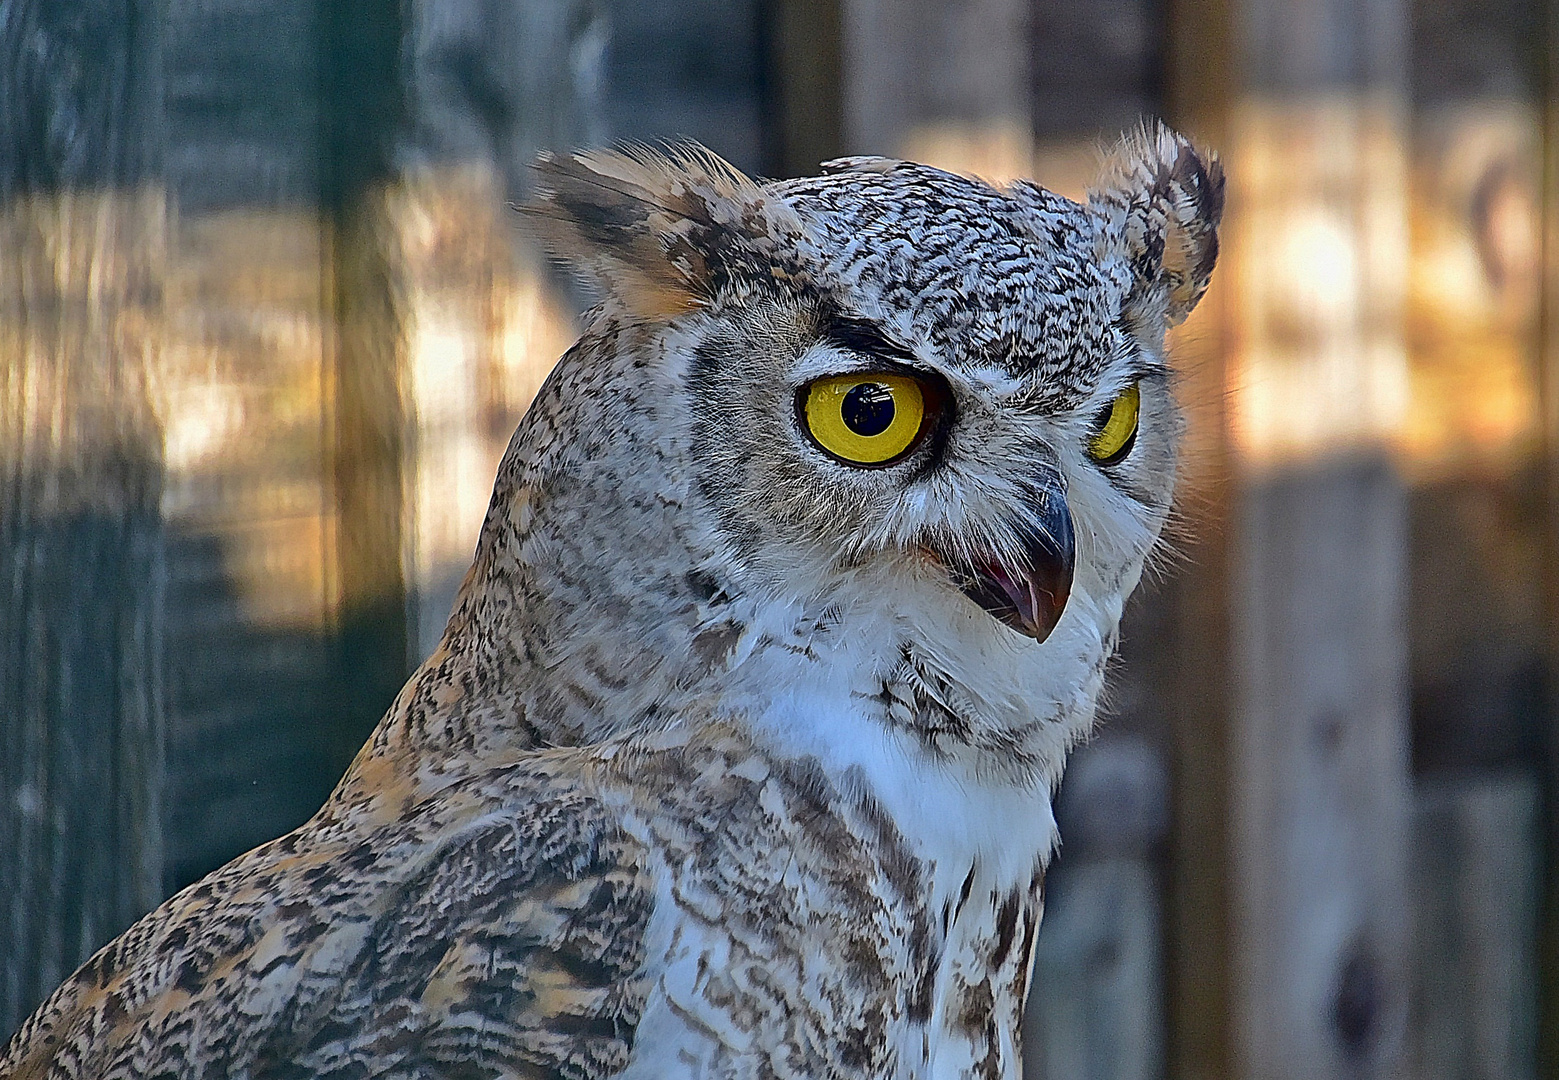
(885, 666)
(964, 810)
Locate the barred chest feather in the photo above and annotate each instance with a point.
(861, 911)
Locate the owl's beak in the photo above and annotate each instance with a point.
(1029, 597)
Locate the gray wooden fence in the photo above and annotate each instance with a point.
(82, 278)
(212, 448)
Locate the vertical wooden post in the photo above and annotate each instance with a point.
(434, 113)
(487, 90)
(947, 84)
(1476, 885)
(1199, 902)
(1320, 795)
(240, 383)
(803, 73)
(1096, 1008)
(1199, 917)
(364, 108)
(1289, 906)
(1548, 368)
(82, 226)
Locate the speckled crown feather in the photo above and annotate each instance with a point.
(1018, 278)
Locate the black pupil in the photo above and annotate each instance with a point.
(868, 409)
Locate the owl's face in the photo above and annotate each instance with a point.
(890, 403)
(832, 447)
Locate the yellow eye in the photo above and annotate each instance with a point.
(1115, 430)
(868, 419)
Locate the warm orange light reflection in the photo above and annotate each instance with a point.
(482, 330)
(1473, 290)
(1316, 247)
(998, 151)
(244, 392)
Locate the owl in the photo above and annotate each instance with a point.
(799, 579)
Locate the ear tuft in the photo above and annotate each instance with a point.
(662, 230)
(1162, 200)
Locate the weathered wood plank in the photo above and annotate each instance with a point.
(946, 84)
(1288, 909)
(1097, 1008)
(365, 108)
(1548, 383)
(1321, 774)
(83, 229)
(1476, 884)
(242, 388)
(804, 72)
(476, 321)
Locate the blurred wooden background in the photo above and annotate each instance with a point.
(266, 325)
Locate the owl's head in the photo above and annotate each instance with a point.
(886, 416)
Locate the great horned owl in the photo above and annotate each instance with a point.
(799, 579)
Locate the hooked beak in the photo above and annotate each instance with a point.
(1031, 596)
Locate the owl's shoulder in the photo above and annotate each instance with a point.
(514, 919)
(498, 922)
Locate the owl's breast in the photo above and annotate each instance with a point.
(799, 931)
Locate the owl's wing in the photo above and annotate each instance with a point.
(495, 930)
